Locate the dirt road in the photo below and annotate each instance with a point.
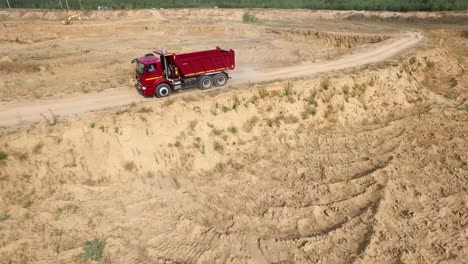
(13, 114)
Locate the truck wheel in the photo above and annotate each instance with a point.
(206, 82)
(163, 90)
(220, 79)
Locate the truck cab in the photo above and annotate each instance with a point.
(148, 71)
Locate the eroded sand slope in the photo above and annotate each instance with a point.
(365, 166)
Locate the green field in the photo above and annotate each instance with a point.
(393, 5)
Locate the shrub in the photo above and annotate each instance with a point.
(413, 60)
(93, 250)
(466, 108)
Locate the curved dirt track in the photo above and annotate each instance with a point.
(13, 114)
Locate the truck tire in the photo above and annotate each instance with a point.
(206, 82)
(163, 90)
(220, 79)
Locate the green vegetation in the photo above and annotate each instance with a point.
(430, 64)
(3, 156)
(262, 92)
(68, 209)
(451, 95)
(250, 18)
(93, 250)
(3, 217)
(309, 110)
(198, 144)
(466, 108)
(232, 129)
(395, 5)
(193, 124)
(325, 84)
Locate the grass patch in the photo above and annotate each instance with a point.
(262, 92)
(3, 156)
(236, 103)
(249, 124)
(311, 100)
(325, 84)
(466, 108)
(359, 90)
(68, 209)
(92, 125)
(451, 95)
(232, 129)
(430, 64)
(288, 90)
(250, 18)
(93, 250)
(225, 109)
(198, 144)
(413, 60)
(193, 124)
(4, 217)
(309, 110)
(218, 147)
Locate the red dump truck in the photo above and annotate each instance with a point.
(163, 72)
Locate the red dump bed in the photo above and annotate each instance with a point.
(196, 63)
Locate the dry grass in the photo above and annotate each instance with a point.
(249, 124)
(9, 67)
(262, 92)
(218, 147)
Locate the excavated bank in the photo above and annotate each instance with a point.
(368, 166)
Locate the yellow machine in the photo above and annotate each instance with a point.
(69, 19)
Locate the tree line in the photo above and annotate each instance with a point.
(390, 5)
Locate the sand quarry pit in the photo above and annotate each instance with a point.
(342, 138)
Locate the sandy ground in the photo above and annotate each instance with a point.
(14, 113)
(356, 153)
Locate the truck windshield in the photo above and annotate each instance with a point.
(140, 67)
